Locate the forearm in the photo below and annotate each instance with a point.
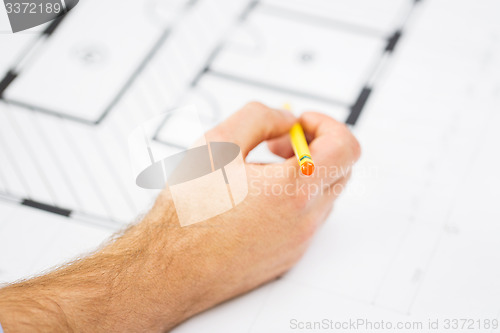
(158, 274)
(133, 284)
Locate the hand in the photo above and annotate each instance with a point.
(266, 234)
(158, 274)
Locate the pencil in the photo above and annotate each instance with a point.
(300, 148)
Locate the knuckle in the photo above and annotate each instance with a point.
(356, 148)
(343, 130)
(263, 113)
(217, 134)
(261, 110)
(348, 142)
(255, 105)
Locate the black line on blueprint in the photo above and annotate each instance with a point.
(49, 30)
(137, 72)
(206, 67)
(392, 43)
(215, 115)
(358, 107)
(6, 81)
(4, 181)
(158, 130)
(12, 74)
(355, 110)
(263, 304)
(170, 144)
(277, 88)
(320, 21)
(6, 196)
(46, 207)
(32, 156)
(446, 220)
(112, 104)
(57, 161)
(53, 113)
(87, 170)
(75, 215)
(15, 165)
(53, 25)
(109, 165)
(387, 270)
(248, 9)
(34, 159)
(217, 49)
(252, 4)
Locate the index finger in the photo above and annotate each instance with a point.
(251, 125)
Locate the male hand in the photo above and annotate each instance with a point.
(266, 234)
(157, 274)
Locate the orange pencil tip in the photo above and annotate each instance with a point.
(307, 168)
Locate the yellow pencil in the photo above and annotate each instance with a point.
(300, 148)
